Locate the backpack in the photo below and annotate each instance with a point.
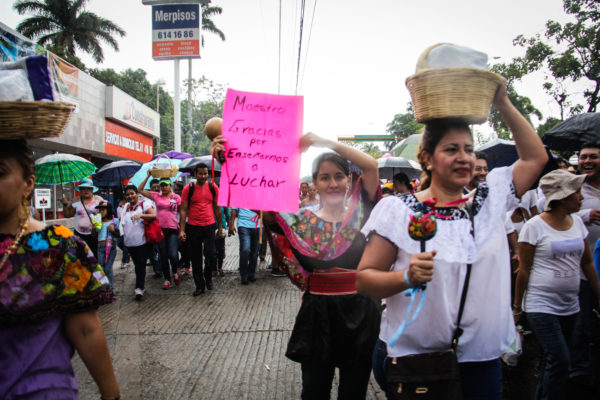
(211, 186)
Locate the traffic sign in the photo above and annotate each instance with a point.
(43, 198)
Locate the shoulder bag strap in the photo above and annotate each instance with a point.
(88, 214)
(463, 297)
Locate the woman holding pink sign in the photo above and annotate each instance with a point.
(320, 250)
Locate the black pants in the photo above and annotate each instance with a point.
(139, 255)
(317, 377)
(201, 239)
(220, 249)
(91, 241)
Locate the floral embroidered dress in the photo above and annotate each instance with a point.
(52, 273)
(334, 323)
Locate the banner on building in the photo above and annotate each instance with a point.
(14, 46)
(65, 80)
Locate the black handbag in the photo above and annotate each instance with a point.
(429, 376)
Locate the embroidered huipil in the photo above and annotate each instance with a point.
(487, 319)
(52, 273)
(334, 323)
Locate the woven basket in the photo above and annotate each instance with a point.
(163, 172)
(452, 92)
(33, 119)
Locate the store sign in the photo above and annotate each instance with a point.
(126, 109)
(127, 143)
(42, 198)
(176, 31)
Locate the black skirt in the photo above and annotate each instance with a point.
(338, 329)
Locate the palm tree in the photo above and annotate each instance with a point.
(207, 23)
(65, 24)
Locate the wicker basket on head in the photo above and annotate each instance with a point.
(163, 172)
(33, 119)
(451, 92)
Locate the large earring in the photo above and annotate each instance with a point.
(24, 209)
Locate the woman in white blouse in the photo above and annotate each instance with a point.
(135, 212)
(393, 262)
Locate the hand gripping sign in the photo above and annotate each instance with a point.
(262, 168)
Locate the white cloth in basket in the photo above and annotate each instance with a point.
(453, 56)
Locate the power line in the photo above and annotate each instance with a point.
(279, 65)
(303, 6)
(312, 22)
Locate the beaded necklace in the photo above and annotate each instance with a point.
(13, 247)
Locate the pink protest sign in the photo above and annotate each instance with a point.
(262, 168)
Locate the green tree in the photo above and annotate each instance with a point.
(522, 103)
(371, 149)
(66, 24)
(567, 54)
(402, 126)
(207, 23)
(207, 99)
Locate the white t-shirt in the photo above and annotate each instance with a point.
(487, 319)
(133, 231)
(554, 279)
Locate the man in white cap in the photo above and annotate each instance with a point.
(84, 211)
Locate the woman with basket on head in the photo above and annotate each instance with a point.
(553, 253)
(335, 326)
(84, 211)
(468, 254)
(167, 209)
(50, 288)
(132, 227)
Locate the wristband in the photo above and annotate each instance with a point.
(517, 313)
(406, 278)
(516, 306)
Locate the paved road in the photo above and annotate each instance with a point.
(227, 344)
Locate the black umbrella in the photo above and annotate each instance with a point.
(116, 171)
(189, 164)
(572, 133)
(390, 166)
(499, 152)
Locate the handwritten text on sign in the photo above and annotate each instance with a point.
(262, 170)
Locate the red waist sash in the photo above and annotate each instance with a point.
(332, 281)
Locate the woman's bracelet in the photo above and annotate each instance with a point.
(517, 313)
(516, 306)
(406, 278)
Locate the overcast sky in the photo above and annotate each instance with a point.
(356, 54)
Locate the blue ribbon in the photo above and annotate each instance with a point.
(413, 294)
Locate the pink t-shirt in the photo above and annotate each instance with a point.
(166, 209)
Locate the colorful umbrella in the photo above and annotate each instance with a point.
(142, 173)
(173, 155)
(60, 168)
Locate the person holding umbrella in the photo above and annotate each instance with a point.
(84, 211)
